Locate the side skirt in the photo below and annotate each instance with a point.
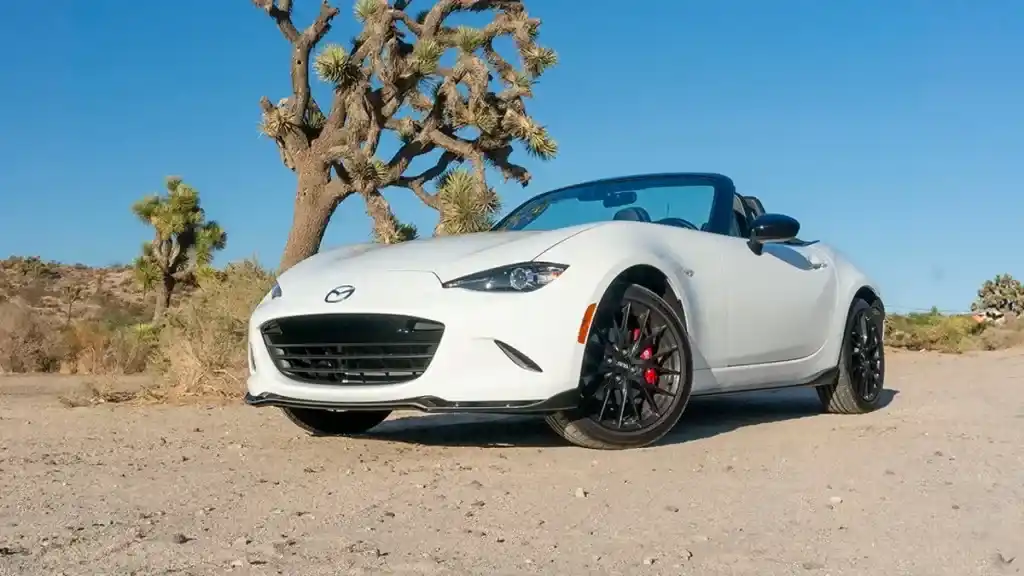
(822, 378)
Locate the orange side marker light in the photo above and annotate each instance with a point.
(588, 317)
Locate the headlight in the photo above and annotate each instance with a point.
(275, 292)
(524, 277)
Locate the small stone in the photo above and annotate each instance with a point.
(237, 563)
(181, 538)
(241, 542)
(1001, 559)
(650, 560)
(581, 493)
(672, 508)
(835, 500)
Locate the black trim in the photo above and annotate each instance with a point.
(566, 400)
(517, 357)
(823, 378)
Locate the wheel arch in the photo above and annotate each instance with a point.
(654, 279)
(870, 295)
(863, 290)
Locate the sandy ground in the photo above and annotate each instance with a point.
(761, 484)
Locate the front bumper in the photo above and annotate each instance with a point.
(562, 401)
(509, 353)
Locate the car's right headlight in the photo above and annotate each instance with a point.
(522, 277)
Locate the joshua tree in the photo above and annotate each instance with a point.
(391, 80)
(1003, 293)
(183, 242)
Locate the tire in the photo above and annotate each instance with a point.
(335, 423)
(846, 395)
(579, 425)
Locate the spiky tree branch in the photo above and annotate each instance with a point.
(390, 80)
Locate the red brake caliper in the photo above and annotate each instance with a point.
(650, 376)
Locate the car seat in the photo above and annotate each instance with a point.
(634, 213)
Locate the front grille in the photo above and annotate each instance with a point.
(354, 349)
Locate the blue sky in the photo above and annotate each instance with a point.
(890, 129)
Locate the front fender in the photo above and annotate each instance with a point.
(604, 264)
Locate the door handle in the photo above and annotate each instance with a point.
(818, 265)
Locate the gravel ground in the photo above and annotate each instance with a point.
(761, 484)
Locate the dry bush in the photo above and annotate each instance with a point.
(931, 331)
(953, 334)
(101, 348)
(26, 343)
(1000, 337)
(202, 350)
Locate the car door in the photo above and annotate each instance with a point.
(780, 302)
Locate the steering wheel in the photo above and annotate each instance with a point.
(678, 222)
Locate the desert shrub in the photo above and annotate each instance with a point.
(999, 337)
(951, 333)
(26, 343)
(31, 267)
(92, 347)
(932, 331)
(202, 348)
(114, 312)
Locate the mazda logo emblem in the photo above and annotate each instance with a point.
(340, 293)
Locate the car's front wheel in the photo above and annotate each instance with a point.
(335, 422)
(858, 387)
(636, 375)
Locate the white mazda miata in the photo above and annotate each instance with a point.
(604, 306)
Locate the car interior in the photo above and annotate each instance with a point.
(638, 214)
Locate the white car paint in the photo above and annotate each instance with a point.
(754, 321)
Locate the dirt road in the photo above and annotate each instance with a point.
(932, 484)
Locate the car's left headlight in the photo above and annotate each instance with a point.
(523, 277)
(275, 292)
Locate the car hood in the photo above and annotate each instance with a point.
(448, 257)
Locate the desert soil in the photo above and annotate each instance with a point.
(762, 484)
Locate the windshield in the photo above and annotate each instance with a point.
(668, 200)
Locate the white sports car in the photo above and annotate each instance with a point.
(604, 306)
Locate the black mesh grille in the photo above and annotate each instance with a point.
(355, 349)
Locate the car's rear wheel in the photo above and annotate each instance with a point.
(861, 380)
(636, 375)
(335, 422)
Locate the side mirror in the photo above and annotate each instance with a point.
(772, 228)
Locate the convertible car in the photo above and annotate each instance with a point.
(603, 306)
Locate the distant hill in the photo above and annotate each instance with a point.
(57, 292)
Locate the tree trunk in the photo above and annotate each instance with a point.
(313, 210)
(163, 297)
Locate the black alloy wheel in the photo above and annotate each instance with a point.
(866, 356)
(861, 380)
(635, 378)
